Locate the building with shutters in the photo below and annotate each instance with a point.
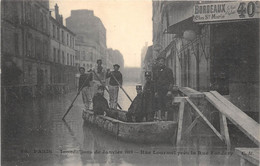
(25, 46)
(62, 52)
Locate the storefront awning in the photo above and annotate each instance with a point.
(182, 26)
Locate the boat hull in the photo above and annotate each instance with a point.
(143, 132)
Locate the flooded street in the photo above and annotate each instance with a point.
(34, 134)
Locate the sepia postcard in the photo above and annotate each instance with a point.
(129, 82)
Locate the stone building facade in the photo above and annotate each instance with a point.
(90, 37)
(62, 52)
(207, 52)
(25, 44)
(27, 58)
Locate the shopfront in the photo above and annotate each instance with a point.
(234, 50)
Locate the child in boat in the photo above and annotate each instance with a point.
(100, 104)
(136, 108)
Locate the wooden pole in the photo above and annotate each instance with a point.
(121, 87)
(71, 105)
(179, 132)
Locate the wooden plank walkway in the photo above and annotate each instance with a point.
(248, 155)
(190, 92)
(246, 124)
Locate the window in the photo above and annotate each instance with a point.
(53, 31)
(44, 24)
(16, 45)
(28, 13)
(45, 50)
(67, 39)
(41, 21)
(38, 19)
(29, 45)
(54, 54)
(70, 41)
(58, 33)
(58, 56)
(62, 36)
(77, 55)
(63, 58)
(68, 59)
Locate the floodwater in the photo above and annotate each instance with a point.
(33, 134)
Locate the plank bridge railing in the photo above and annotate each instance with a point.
(226, 110)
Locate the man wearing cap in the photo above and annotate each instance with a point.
(136, 108)
(163, 79)
(99, 73)
(84, 87)
(116, 80)
(148, 97)
(100, 104)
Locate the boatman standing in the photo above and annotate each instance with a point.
(99, 73)
(84, 86)
(163, 78)
(148, 97)
(115, 78)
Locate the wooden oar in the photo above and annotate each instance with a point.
(71, 105)
(104, 86)
(121, 87)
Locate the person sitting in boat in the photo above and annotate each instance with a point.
(135, 111)
(100, 104)
(148, 97)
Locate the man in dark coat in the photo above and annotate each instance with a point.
(116, 81)
(163, 78)
(136, 108)
(148, 97)
(100, 104)
(84, 87)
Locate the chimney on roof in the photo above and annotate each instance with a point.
(57, 15)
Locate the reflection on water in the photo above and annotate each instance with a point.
(34, 134)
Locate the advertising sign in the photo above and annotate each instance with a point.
(226, 11)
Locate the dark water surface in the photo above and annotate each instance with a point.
(33, 134)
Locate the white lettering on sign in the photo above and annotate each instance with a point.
(226, 11)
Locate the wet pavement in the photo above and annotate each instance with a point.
(33, 134)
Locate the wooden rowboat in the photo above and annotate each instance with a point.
(143, 132)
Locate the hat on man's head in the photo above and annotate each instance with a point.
(148, 73)
(82, 68)
(116, 65)
(138, 87)
(101, 87)
(99, 60)
(160, 57)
